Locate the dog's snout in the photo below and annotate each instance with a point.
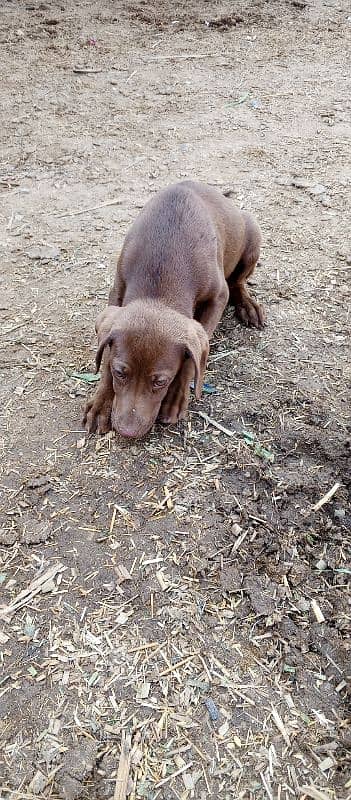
(130, 424)
(128, 433)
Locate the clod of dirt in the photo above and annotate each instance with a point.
(71, 788)
(230, 579)
(296, 638)
(37, 533)
(298, 574)
(78, 764)
(316, 190)
(8, 536)
(260, 591)
(43, 252)
(224, 23)
(107, 767)
(327, 644)
(38, 483)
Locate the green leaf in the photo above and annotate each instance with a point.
(263, 452)
(29, 627)
(238, 100)
(86, 377)
(93, 678)
(259, 450)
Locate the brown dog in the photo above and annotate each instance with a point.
(188, 252)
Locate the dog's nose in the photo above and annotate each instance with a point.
(128, 433)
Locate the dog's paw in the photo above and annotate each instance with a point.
(250, 313)
(97, 416)
(175, 404)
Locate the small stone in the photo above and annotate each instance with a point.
(321, 564)
(212, 709)
(143, 691)
(303, 605)
(48, 586)
(301, 183)
(38, 782)
(43, 252)
(339, 513)
(317, 189)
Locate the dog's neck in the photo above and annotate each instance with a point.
(157, 305)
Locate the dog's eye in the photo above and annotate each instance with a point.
(119, 372)
(159, 382)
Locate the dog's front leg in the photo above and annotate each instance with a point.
(97, 413)
(212, 311)
(175, 405)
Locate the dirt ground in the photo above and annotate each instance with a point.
(180, 596)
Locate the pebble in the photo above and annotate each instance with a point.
(339, 513)
(43, 252)
(212, 709)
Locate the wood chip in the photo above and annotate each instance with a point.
(186, 56)
(280, 725)
(327, 763)
(314, 793)
(123, 768)
(171, 777)
(114, 202)
(328, 496)
(317, 611)
(36, 586)
(161, 580)
(86, 71)
(215, 424)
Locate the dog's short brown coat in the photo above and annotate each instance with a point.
(187, 254)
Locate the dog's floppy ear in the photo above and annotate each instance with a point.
(106, 328)
(197, 347)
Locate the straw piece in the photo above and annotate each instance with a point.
(123, 768)
(314, 793)
(280, 725)
(326, 497)
(36, 586)
(317, 611)
(170, 777)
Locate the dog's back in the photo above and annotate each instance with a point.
(170, 249)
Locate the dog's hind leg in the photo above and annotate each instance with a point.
(247, 310)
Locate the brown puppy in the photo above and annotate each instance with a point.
(188, 253)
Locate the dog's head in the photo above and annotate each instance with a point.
(146, 344)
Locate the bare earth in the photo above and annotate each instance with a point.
(191, 602)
